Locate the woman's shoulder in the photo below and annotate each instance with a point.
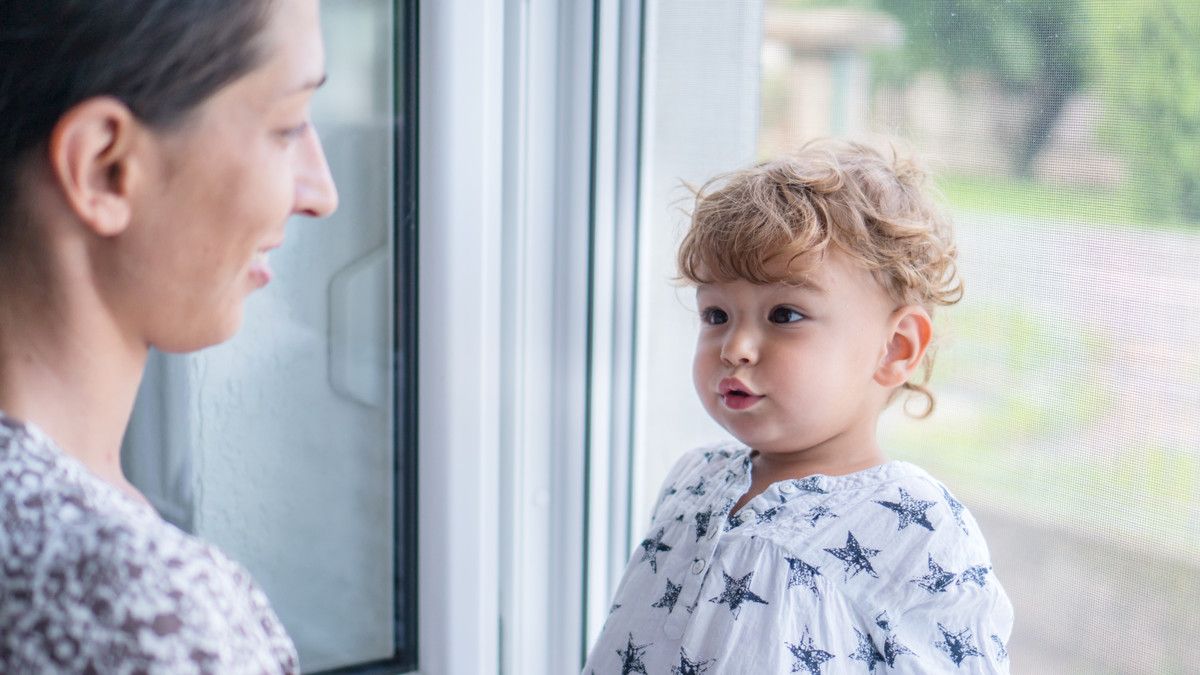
(91, 578)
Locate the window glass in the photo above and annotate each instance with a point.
(288, 447)
(1064, 136)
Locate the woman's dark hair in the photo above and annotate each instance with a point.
(159, 57)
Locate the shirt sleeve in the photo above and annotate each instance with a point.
(939, 607)
(950, 613)
(961, 631)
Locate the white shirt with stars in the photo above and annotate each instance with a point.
(879, 571)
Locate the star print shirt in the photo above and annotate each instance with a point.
(880, 571)
(92, 581)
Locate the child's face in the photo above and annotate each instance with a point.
(790, 368)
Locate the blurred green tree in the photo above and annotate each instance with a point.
(1038, 50)
(1148, 71)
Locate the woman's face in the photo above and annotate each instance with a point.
(217, 193)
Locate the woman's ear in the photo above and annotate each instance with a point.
(911, 331)
(91, 153)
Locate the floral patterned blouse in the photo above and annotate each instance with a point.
(879, 571)
(91, 581)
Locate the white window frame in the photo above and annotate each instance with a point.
(522, 325)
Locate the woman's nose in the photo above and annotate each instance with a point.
(740, 348)
(316, 193)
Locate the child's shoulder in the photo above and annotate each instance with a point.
(896, 507)
(913, 490)
(918, 526)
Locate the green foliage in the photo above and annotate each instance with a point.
(1116, 207)
(1021, 43)
(1038, 50)
(1148, 71)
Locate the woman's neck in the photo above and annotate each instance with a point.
(66, 367)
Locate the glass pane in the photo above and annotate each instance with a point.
(1065, 137)
(280, 446)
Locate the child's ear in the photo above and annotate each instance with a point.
(91, 155)
(911, 330)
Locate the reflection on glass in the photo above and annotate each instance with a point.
(279, 446)
(1065, 136)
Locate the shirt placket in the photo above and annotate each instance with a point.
(718, 505)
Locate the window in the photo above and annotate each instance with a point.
(293, 446)
(1065, 137)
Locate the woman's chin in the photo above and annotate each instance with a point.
(201, 337)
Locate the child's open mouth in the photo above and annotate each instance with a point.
(737, 396)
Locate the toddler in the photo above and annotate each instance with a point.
(801, 548)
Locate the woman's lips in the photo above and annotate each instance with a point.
(260, 269)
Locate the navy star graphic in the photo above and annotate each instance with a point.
(881, 620)
(810, 484)
(975, 573)
(689, 667)
(768, 515)
(938, 579)
(866, 652)
(958, 646)
(652, 547)
(1001, 650)
(631, 657)
(733, 521)
(698, 488)
(816, 513)
(910, 510)
(892, 649)
(855, 557)
(702, 519)
(801, 573)
(679, 518)
(956, 508)
(615, 607)
(670, 596)
(808, 658)
(736, 592)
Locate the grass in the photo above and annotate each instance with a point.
(1019, 395)
(1023, 197)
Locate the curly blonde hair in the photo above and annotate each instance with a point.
(873, 205)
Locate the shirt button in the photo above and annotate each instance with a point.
(697, 566)
(746, 515)
(788, 487)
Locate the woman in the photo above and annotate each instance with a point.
(150, 154)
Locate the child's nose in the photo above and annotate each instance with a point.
(740, 348)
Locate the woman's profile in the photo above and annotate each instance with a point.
(151, 152)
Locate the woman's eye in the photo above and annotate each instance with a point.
(292, 133)
(713, 316)
(785, 315)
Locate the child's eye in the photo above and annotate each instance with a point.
(785, 315)
(713, 316)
